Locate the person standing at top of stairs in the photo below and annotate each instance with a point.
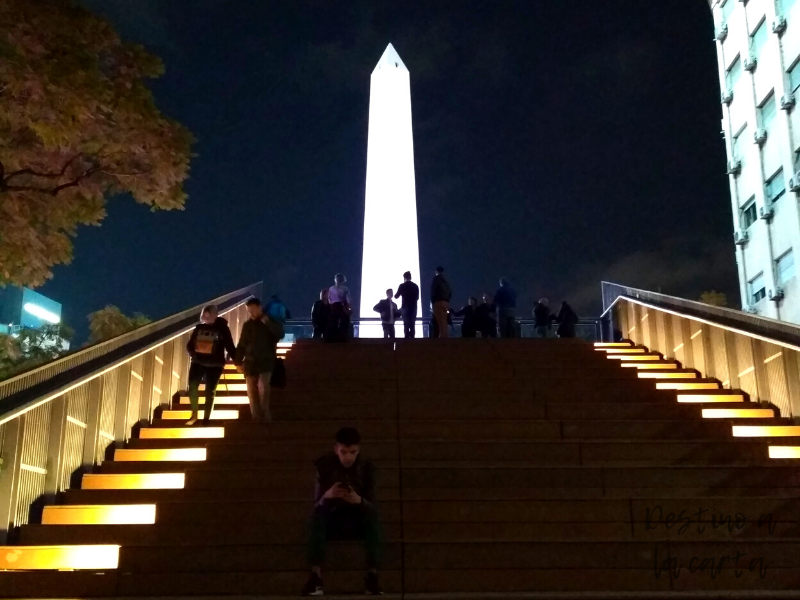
(389, 313)
(206, 347)
(255, 357)
(340, 303)
(440, 299)
(409, 292)
(344, 509)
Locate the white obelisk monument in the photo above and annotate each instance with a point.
(391, 246)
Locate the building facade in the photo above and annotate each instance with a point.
(758, 49)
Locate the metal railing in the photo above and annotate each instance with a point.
(754, 354)
(58, 420)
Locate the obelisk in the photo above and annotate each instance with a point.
(391, 246)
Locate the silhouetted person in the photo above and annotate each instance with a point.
(210, 340)
(542, 318)
(389, 313)
(276, 310)
(469, 326)
(319, 314)
(340, 310)
(486, 323)
(409, 292)
(440, 299)
(255, 357)
(567, 319)
(505, 300)
(344, 509)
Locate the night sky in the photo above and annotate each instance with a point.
(556, 143)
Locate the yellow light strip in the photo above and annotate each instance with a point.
(612, 344)
(687, 385)
(696, 333)
(649, 365)
(100, 514)
(776, 452)
(133, 481)
(232, 377)
(634, 357)
(159, 454)
(622, 350)
(183, 415)
(285, 344)
(766, 430)
(738, 413)
(229, 387)
(773, 357)
(181, 433)
(747, 371)
(699, 398)
(52, 558)
(680, 375)
(219, 400)
(678, 347)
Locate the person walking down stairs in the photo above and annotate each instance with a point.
(255, 357)
(206, 347)
(344, 509)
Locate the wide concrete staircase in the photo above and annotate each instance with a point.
(544, 466)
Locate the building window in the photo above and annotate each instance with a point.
(785, 268)
(734, 73)
(767, 112)
(736, 146)
(756, 289)
(775, 187)
(759, 38)
(727, 9)
(794, 77)
(749, 213)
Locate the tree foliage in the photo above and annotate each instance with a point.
(714, 298)
(110, 322)
(31, 348)
(77, 125)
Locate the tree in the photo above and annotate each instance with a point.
(77, 125)
(110, 322)
(714, 298)
(32, 347)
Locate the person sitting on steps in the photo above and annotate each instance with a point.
(344, 509)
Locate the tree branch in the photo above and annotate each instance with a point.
(38, 174)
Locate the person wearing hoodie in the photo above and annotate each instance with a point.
(389, 312)
(256, 356)
(440, 301)
(207, 345)
(566, 319)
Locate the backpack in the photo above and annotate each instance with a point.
(276, 311)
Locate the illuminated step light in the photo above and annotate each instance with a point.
(766, 430)
(228, 387)
(687, 385)
(232, 377)
(58, 558)
(700, 398)
(776, 452)
(629, 350)
(649, 365)
(133, 481)
(738, 413)
(635, 357)
(100, 514)
(676, 375)
(612, 344)
(159, 454)
(282, 351)
(185, 415)
(285, 344)
(181, 433)
(228, 400)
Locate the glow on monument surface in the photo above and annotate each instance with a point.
(391, 245)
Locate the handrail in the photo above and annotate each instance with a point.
(779, 332)
(28, 390)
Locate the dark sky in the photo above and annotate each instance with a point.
(556, 143)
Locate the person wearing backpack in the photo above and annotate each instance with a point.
(207, 345)
(276, 310)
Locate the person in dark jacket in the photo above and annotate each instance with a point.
(409, 292)
(344, 509)
(469, 326)
(255, 357)
(485, 313)
(319, 314)
(566, 319)
(389, 313)
(542, 318)
(440, 299)
(207, 345)
(505, 300)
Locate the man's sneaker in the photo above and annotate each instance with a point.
(371, 585)
(313, 586)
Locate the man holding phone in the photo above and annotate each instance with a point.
(344, 509)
